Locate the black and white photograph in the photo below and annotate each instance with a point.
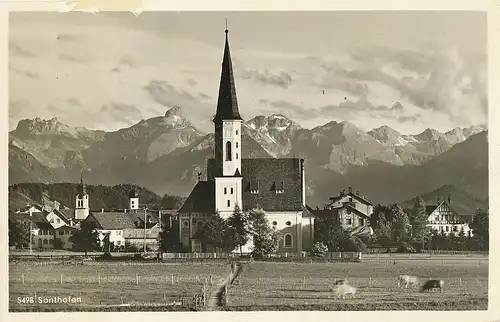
(248, 161)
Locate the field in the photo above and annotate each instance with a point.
(130, 286)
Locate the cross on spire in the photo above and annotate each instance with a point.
(227, 104)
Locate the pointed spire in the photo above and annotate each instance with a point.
(82, 185)
(227, 105)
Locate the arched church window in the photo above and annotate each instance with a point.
(228, 151)
(236, 156)
(236, 142)
(288, 240)
(236, 134)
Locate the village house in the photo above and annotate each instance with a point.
(444, 219)
(350, 210)
(276, 186)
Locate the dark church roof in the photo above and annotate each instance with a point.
(261, 180)
(227, 105)
(201, 199)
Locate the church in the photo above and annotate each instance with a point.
(276, 186)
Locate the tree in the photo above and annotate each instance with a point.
(58, 243)
(168, 237)
(319, 249)
(380, 213)
(265, 238)
(85, 239)
(383, 232)
(418, 220)
(216, 232)
(462, 240)
(239, 224)
(480, 226)
(400, 224)
(19, 233)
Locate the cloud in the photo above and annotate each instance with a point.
(16, 50)
(265, 77)
(290, 110)
(70, 58)
(409, 118)
(434, 78)
(166, 94)
(124, 113)
(70, 38)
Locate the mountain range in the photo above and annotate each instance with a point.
(166, 153)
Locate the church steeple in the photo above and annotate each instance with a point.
(83, 190)
(227, 105)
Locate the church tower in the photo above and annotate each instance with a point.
(227, 120)
(82, 202)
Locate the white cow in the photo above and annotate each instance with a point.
(343, 290)
(407, 280)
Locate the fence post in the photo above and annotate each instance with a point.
(304, 281)
(61, 278)
(172, 279)
(22, 278)
(137, 278)
(99, 278)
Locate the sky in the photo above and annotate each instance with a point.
(408, 70)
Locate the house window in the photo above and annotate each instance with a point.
(228, 151)
(229, 203)
(288, 223)
(225, 191)
(61, 232)
(185, 223)
(199, 225)
(236, 142)
(254, 186)
(348, 221)
(236, 156)
(118, 242)
(51, 241)
(58, 220)
(133, 203)
(441, 228)
(279, 186)
(45, 242)
(288, 241)
(455, 228)
(119, 232)
(236, 134)
(361, 221)
(232, 190)
(447, 228)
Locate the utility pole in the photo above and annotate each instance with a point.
(145, 214)
(31, 229)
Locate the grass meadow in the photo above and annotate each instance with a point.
(135, 286)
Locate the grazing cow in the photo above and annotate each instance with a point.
(432, 285)
(407, 280)
(343, 290)
(340, 282)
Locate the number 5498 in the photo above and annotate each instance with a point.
(25, 300)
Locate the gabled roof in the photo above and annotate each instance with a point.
(113, 220)
(356, 211)
(352, 195)
(68, 213)
(201, 199)
(227, 104)
(264, 172)
(430, 209)
(66, 227)
(139, 233)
